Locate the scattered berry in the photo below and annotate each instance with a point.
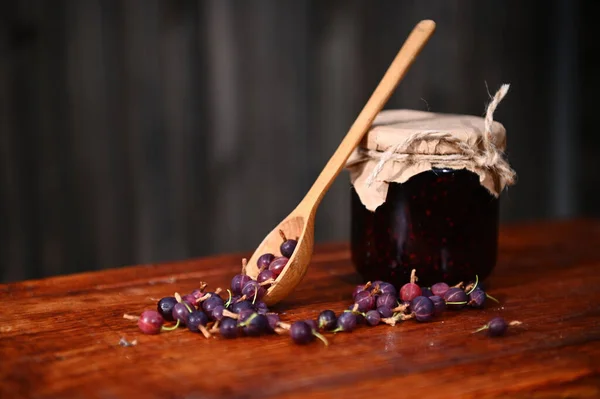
(165, 307)
(228, 328)
(455, 298)
(410, 291)
(346, 322)
(422, 308)
(440, 289)
(497, 326)
(327, 320)
(439, 304)
(373, 317)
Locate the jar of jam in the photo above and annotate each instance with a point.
(425, 196)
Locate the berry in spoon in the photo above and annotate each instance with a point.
(287, 246)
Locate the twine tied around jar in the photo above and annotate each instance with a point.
(486, 156)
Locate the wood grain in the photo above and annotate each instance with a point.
(59, 337)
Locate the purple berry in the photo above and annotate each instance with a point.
(365, 301)
(423, 308)
(238, 282)
(273, 319)
(278, 265)
(346, 322)
(497, 327)
(195, 320)
(245, 314)
(211, 303)
(165, 307)
(181, 311)
(301, 333)
(261, 307)
(288, 246)
(426, 292)
(253, 291)
(410, 291)
(265, 275)
(312, 324)
(229, 328)
(327, 320)
(388, 300)
(477, 298)
(239, 306)
(189, 299)
(439, 289)
(357, 289)
(264, 261)
(385, 288)
(150, 322)
(373, 317)
(217, 312)
(438, 303)
(256, 325)
(455, 298)
(385, 311)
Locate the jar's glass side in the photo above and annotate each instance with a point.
(442, 223)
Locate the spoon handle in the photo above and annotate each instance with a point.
(395, 73)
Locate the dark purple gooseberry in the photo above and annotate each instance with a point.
(264, 261)
(497, 327)
(410, 291)
(365, 301)
(385, 311)
(256, 325)
(439, 289)
(301, 333)
(195, 319)
(388, 300)
(287, 248)
(253, 291)
(313, 324)
(237, 307)
(346, 322)
(327, 320)
(245, 315)
(373, 317)
(189, 299)
(228, 328)
(150, 322)
(165, 307)
(261, 307)
(438, 303)
(357, 289)
(265, 275)
(426, 292)
(273, 319)
(385, 288)
(477, 298)
(181, 312)
(232, 300)
(217, 312)
(423, 308)
(211, 303)
(238, 282)
(278, 265)
(455, 298)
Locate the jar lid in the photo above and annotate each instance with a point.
(402, 143)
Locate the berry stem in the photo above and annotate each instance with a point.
(396, 318)
(242, 298)
(321, 337)
(457, 303)
(231, 315)
(515, 323)
(283, 325)
(248, 320)
(459, 285)
(400, 308)
(282, 235)
(255, 295)
(492, 298)
(131, 317)
(215, 327)
(481, 329)
(173, 327)
(281, 331)
(471, 287)
(244, 265)
(267, 282)
(204, 331)
(177, 297)
(228, 300)
(203, 285)
(413, 276)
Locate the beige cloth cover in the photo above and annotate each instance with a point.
(402, 143)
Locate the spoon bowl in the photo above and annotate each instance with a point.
(301, 222)
(293, 226)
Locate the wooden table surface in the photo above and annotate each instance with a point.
(59, 337)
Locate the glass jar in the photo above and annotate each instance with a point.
(425, 196)
(441, 222)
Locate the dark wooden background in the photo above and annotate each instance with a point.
(145, 130)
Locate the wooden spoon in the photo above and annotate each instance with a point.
(300, 222)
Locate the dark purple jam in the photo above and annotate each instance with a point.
(442, 222)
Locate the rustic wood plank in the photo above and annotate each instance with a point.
(60, 338)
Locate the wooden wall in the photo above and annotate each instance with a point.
(147, 130)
